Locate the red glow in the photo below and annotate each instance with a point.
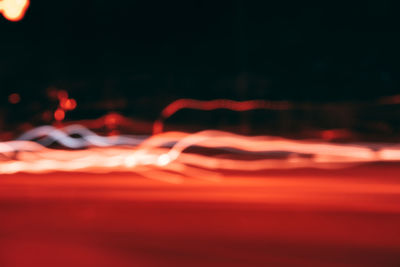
(280, 218)
(14, 98)
(14, 10)
(390, 100)
(59, 115)
(62, 95)
(335, 134)
(47, 116)
(111, 120)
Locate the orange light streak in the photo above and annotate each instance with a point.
(14, 10)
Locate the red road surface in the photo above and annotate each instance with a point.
(345, 217)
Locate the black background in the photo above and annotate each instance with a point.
(157, 51)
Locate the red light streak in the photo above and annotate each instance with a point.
(14, 10)
(216, 104)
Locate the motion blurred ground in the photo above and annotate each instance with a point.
(305, 217)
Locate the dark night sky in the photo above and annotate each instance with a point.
(294, 50)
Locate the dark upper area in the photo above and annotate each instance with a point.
(156, 51)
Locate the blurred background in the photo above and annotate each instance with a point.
(339, 61)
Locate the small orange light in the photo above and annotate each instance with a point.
(59, 114)
(14, 98)
(14, 10)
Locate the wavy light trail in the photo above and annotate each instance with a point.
(174, 153)
(47, 135)
(168, 153)
(216, 104)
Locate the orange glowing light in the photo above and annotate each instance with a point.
(14, 98)
(68, 103)
(14, 10)
(59, 115)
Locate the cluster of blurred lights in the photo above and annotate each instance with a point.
(65, 104)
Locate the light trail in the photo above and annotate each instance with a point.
(176, 154)
(48, 135)
(180, 104)
(240, 106)
(169, 153)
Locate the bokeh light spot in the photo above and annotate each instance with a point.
(68, 104)
(14, 98)
(59, 115)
